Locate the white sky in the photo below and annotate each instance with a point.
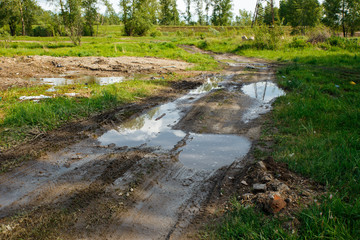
(237, 4)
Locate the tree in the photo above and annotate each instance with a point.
(244, 18)
(342, 13)
(90, 15)
(111, 17)
(188, 11)
(70, 12)
(300, 13)
(221, 12)
(138, 16)
(199, 11)
(207, 9)
(271, 14)
(13, 12)
(169, 13)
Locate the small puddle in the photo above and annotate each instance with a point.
(102, 81)
(198, 151)
(264, 93)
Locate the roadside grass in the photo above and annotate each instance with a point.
(165, 47)
(318, 136)
(245, 223)
(22, 120)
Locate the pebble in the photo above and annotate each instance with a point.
(261, 165)
(259, 187)
(244, 183)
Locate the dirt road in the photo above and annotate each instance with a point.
(148, 177)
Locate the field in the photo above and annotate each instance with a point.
(313, 129)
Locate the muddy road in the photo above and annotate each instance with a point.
(147, 177)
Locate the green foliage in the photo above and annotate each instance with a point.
(342, 14)
(244, 18)
(169, 14)
(138, 16)
(300, 13)
(299, 42)
(222, 14)
(267, 38)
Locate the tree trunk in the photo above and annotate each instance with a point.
(343, 18)
(22, 18)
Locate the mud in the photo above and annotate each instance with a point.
(28, 70)
(153, 176)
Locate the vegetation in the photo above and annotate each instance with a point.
(317, 121)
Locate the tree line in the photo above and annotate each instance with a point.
(76, 18)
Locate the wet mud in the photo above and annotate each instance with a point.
(148, 177)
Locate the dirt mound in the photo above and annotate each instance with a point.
(26, 71)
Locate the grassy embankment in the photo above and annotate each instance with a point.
(318, 136)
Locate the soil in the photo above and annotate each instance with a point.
(74, 187)
(27, 70)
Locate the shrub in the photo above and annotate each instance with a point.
(299, 42)
(267, 38)
(319, 34)
(155, 33)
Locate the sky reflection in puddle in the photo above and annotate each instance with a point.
(264, 93)
(154, 128)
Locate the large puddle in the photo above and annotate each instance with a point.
(196, 151)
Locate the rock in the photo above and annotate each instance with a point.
(244, 38)
(279, 186)
(112, 145)
(257, 187)
(247, 196)
(276, 204)
(266, 178)
(244, 183)
(261, 165)
(252, 38)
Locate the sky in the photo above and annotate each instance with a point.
(249, 5)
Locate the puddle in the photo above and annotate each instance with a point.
(154, 129)
(102, 81)
(210, 151)
(264, 93)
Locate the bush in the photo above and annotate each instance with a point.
(344, 43)
(319, 34)
(155, 33)
(41, 31)
(299, 42)
(267, 38)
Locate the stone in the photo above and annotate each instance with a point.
(261, 165)
(244, 183)
(244, 38)
(266, 178)
(247, 196)
(111, 145)
(276, 204)
(257, 187)
(252, 38)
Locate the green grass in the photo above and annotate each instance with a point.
(20, 120)
(246, 223)
(318, 124)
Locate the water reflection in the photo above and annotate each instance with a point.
(264, 93)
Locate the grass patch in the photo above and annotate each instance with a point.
(24, 120)
(246, 223)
